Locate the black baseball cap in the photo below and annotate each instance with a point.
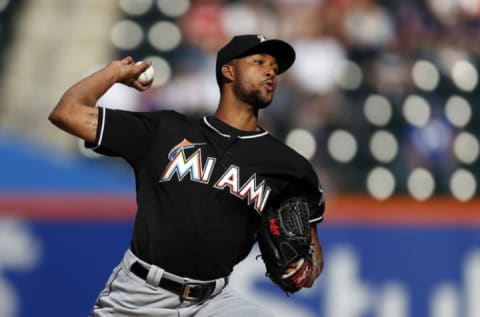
(249, 44)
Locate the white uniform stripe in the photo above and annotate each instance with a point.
(253, 136)
(316, 219)
(102, 125)
(215, 129)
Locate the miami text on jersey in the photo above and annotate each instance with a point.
(182, 165)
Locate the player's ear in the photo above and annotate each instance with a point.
(228, 72)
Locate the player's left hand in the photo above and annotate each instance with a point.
(317, 267)
(317, 258)
(286, 244)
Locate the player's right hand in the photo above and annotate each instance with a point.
(127, 72)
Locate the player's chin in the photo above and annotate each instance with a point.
(263, 102)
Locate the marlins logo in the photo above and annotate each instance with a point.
(200, 171)
(182, 165)
(261, 38)
(184, 145)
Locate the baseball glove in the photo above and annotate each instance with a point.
(285, 241)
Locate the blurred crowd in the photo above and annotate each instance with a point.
(347, 52)
(381, 40)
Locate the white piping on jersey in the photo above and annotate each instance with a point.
(316, 219)
(215, 129)
(228, 135)
(102, 125)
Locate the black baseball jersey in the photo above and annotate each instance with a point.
(201, 186)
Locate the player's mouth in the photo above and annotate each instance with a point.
(269, 85)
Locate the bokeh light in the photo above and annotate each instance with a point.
(126, 34)
(4, 4)
(342, 146)
(377, 110)
(465, 75)
(163, 70)
(135, 7)
(421, 183)
(466, 147)
(303, 142)
(381, 183)
(463, 185)
(350, 75)
(458, 111)
(416, 110)
(425, 75)
(164, 36)
(384, 146)
(173, 8)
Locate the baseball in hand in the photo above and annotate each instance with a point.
(147, 76)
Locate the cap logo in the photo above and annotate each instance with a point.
(261, 38)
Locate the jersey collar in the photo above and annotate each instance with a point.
(227, 131)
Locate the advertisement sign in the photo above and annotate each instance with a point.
(55, 259)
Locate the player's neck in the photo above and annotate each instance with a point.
(238, 115)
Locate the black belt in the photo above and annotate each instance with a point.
(186, 291)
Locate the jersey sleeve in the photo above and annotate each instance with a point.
(314, 191)
(304, 183)
(299, 179)
(124, 134)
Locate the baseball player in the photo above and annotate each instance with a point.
(202, 184)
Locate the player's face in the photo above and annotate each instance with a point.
(256, 79)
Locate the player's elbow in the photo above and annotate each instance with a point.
(63, 113)
(58, 116)
(63, 118)
(54, 117)
(76, 119)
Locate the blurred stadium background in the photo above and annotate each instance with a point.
(383, 100)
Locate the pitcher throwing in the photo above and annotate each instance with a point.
(202, 184)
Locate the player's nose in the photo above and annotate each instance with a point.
(271, 72)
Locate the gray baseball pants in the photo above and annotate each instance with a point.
(126, 294)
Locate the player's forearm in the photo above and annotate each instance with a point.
(90, 89)
(87, 91)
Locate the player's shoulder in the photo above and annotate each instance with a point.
(177, 119)
(284, 151)
(165, 117)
